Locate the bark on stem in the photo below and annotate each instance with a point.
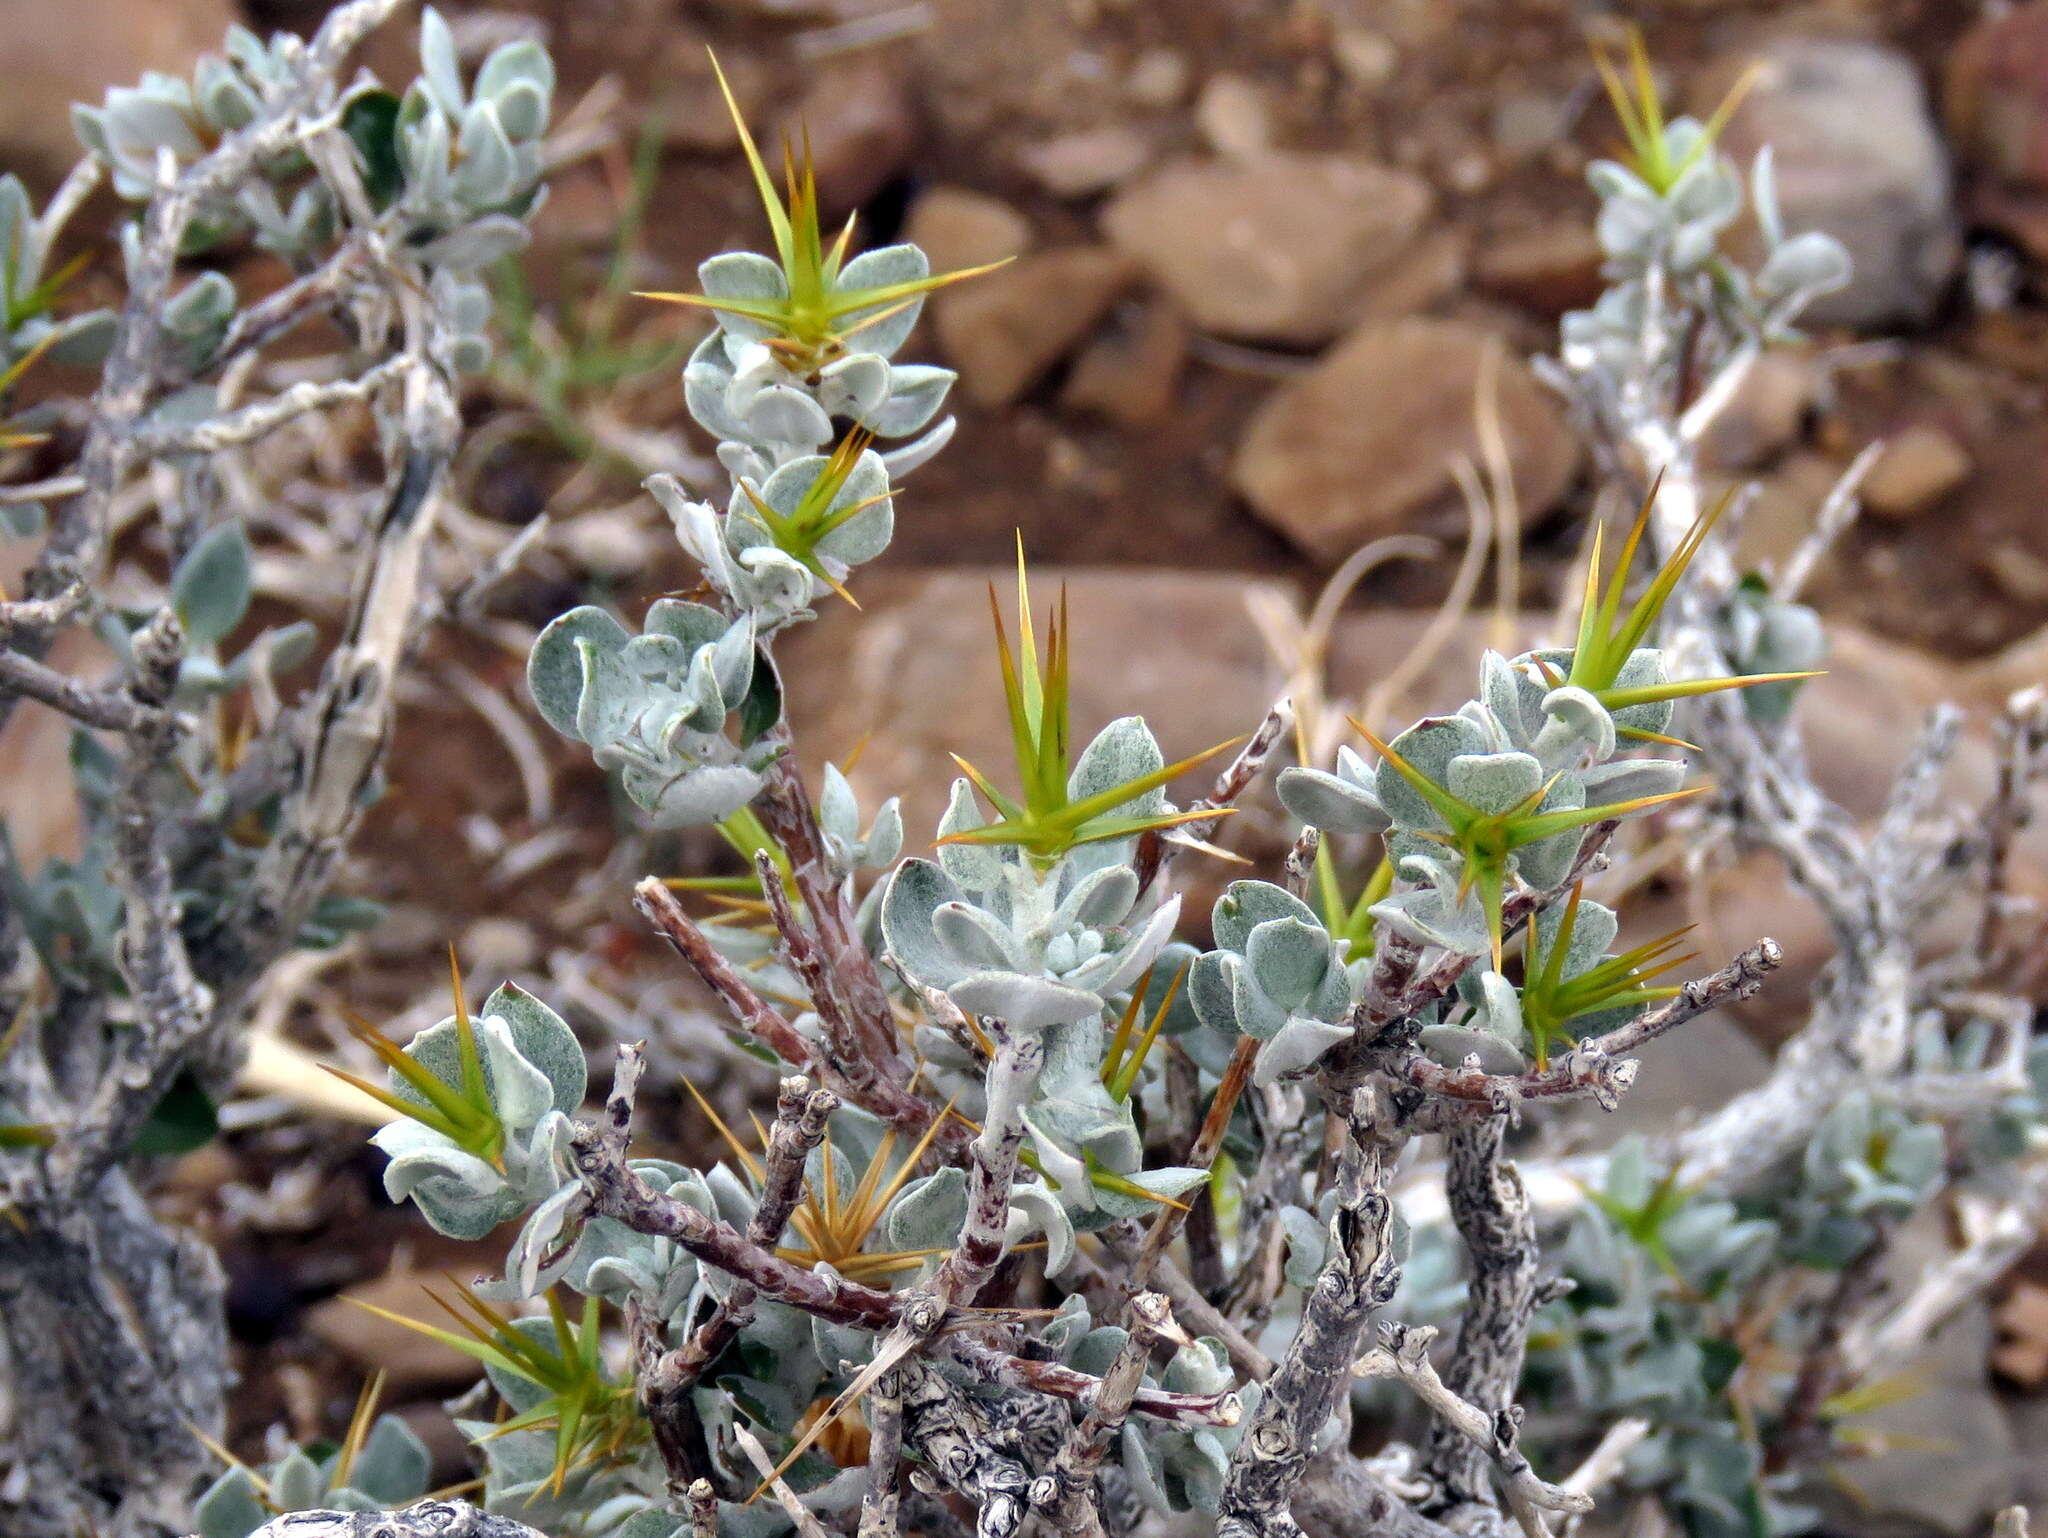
(112, 710)
(429, 1519)
(992, 1167)
(703, 1500)
(753, 1013)
(1068, 1496)
(878, 1093)
(617, 1192)
(881, 1507)
(785, 807)
(1493, 1217)
(800, 1116)
(1360, 1274)
(1063, 1382)
(1404, 1355)
(852, 1058)
(1596, 1067)
(1157, 847)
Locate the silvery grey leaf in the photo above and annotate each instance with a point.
(745, 275)
(554, 667)
(1121, 752)
(523, 113)
(516, 70)
(915, 394)
(1429, 746)
(212, 586)
(483, 179)
(475, 244)
(855, 386)
(230, 1508)
(888, 326)
(1451, 1045)
(978, 867)
(1494, 782)
(1809, 264)
(1245, 905)
(930, 1213)
(1297, 1046)
(976, 940)
(1212, 987)
(1329, 801)
(1256, 1015)
(1625, 779)
(916, 891)
(1289, 958)
(1025, 1003)
(1576, 726)
(1099, 899)
(440, 71)
(693, 797)
(296, 1483)
(906, 459)
(1307, 1242)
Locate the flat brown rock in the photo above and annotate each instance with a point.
(1005, 328)
(1364, 444)
(917, 668)
(1276, 248)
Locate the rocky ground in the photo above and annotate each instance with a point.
(1268, 258)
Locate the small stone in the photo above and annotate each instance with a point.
(611, 541)
(2019, 573)
(1527, 124)
(1363, 445)
(1286, 248)
(685, 102)
(1859, 158)
(959, 228)
(496, 946)
(1850, 716)
(1917, 469)
(2021, 215)
(856, 115)
(1548, 270)
(2022, 1318)
(581, 211)
(203, 1171)
(1087, 161)
(1430, 270)
(1158, 79)
(1765, 415)
(1780, 514)
(36, 749)
(1068, 471)
(1234, 118)
(1470, 171)
(1995, 95)
(2021, 665)
(1365, 57)
(1131, 368)
(1007, 327)
(1950, 1460)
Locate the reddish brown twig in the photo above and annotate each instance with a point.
(1597, 1066)
(1157, 847)
(871, 1091)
